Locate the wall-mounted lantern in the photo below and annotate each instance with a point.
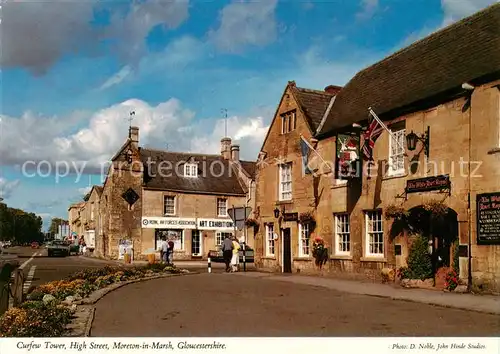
(276, 213)
(412, 139)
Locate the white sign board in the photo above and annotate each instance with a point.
(215, 224)
(168, 223)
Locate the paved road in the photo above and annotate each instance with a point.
(230, 305)
(39, 269)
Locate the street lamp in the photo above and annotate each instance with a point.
(276, 213)
(412, 139)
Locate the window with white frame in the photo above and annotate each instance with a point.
(221, 206)
(304, 240)
(397, 151)
(269, 240)
(169, 205)
(342, 234)
(190, 170)
(374, 233)
(288, 122)
(220, 236)
(285, 181)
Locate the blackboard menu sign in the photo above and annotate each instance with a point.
(488, 218)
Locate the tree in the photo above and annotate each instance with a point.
(19, 226)
(54, 225)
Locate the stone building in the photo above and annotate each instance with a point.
(90, 216)
(444, 89)
(150, 194)
(287, 199)
(75, 218)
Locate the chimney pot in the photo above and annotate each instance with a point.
(235, 152)
(333, 89)
(225, 148)
(292, 83)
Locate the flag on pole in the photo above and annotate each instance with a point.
(304, 147)
(374, 130)
(304, 144)
(370, 136)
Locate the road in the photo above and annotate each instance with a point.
(230, 305)
(39, 268)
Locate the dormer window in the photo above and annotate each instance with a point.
(288, 122)
(190, 170)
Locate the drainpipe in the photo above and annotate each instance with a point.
(469, 88)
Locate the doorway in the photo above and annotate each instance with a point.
(287, 250)
(196, 243)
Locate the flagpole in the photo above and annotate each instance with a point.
(374, 115)
(317, 153)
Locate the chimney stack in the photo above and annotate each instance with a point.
(133, 134)
(332, 89)
(235, 152)
(225, 148)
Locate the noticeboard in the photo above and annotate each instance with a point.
(488, 218)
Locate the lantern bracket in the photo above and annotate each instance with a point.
(412, 139)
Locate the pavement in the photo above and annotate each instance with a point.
(257, 304)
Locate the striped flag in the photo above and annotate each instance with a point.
(370, 136)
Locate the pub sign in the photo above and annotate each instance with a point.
(348, 156)
(488, 218)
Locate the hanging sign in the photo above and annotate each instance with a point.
(348, 163)
(488, 218)
(428, 184)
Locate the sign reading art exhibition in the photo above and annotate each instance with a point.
(215, 224)
(348, 162)
(168, 223)
(488, 218)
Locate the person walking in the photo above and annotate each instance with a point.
(163, 250)
(170, 253)
(227, 252)
(235, 261)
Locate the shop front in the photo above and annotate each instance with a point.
(193, 237)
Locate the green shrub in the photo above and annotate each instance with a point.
(419, 259)
(404, 273)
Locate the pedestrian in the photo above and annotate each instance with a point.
(227, 252)
(235, 261)
(163, 249)
(170, 253)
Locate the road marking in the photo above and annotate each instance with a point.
(28, 261)
(29, 279)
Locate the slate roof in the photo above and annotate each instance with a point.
(215, 174)
(434, 66)
(250, 167)
(313, 103)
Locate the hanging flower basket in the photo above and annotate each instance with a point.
(397, 212)
(306, 217)
(320, 252)
(436, 208)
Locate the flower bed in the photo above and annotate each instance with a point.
(49, 308)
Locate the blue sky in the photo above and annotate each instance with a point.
(69, 84)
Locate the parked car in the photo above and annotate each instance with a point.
(7, 244)
(35, 245)
(58, 248)
(216, 255)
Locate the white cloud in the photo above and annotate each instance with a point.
(33, 39)
(7, 187)
(369, 7)
(106, 130)
(245, 23)
(455, 10)
(117, 78)
(84, 190)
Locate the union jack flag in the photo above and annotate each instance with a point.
(370, 136)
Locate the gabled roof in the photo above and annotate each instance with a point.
(215, 174)
(249, 167)
(313, 103)
(435, 66)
